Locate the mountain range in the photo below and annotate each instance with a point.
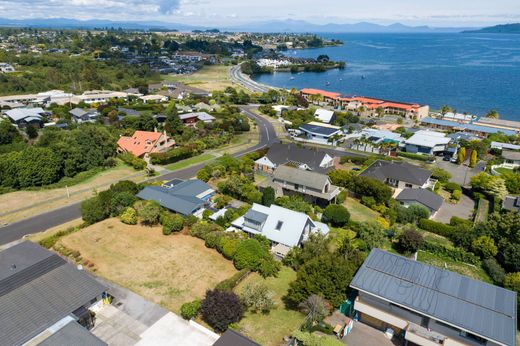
(289, 25)
(513, 28)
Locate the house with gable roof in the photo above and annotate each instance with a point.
(142, 143)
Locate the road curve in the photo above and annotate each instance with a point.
(59, 216)
(238, 77)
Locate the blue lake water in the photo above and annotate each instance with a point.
(471, 72)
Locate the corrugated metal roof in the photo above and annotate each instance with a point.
(44, 297)
(72, 334)
(301, 177)
(319, 129)
(475, 306)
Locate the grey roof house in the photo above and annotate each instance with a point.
(232, 338)
(42, 297)
(317, 160)
(24, 116)
(186, 198)
(313, 186)
(399, 174)
(511, 203)
(432, 306)
(80, 115)
(432, 201)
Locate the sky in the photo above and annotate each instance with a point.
(237, 12)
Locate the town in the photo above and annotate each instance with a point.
(153, 193)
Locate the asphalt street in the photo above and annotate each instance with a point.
(57, 217)
(237, 77)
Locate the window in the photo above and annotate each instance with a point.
(408, 185)
(279, 225)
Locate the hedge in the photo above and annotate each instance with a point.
(455, 254)
(358, 160)
(172, 156)
(436, 227)
(230, 283)
(418, 157)
(450, 187)
(133, 161)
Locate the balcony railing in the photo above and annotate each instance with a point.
(425, 333)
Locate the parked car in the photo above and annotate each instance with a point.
(446, 158)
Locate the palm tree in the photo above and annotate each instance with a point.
(446, 109)
(315, 308)
(493, 114)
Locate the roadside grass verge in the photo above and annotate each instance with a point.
(189, 162)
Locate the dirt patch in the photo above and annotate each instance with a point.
(168, 270)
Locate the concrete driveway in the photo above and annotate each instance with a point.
(363, 334)
(463, 209)
(460, 174)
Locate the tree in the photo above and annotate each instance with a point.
(31, 131)
(129, 216)
(446, 109)
(493, 114)
(484, 246)
(171, 223)
(150, 213)
(410, 241)
(257, 297)
(461, 155)
(371, 233)
(37, 166)
(473, 159)
(219, 309)
(8, 133)
(93, 210)
(314, 308)
(337, 215)
(268, 196)
(327, 275)
(249, 254)
(512, 282)
(494, 270)
(441, 174)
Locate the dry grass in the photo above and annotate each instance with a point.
(168, 270)
(37, 202)
(209, 78)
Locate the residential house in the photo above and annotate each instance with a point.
(458, 117)
(80, 115)
(6, 68)
(27, 116)
(321, 133)
(317, 96)
(40, 99)
(324, 115)
(188, 197)
(512, 159)
(371, 140)
(98, 96)
(312, 186)
(129, 112)
(233, 338)
(431, 306)
(502, 146)
(283, 227)
(470, 128)
(399, 175)
(430, 200)
(201, 106)
(143, 143)
(310, 159)
(44, 298)
(511, 203)
(499, 123)
(154, 98)
(427, 142)
(191, 119)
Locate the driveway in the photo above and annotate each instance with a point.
(133, 320)
(363, 334)
(460, 174)
(463, 209)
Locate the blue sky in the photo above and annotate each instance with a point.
(235, 12)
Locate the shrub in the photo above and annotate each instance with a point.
(150, 213)
(249, 254)
(335, 214)
(313, 339)
(494, 270)
(410, 241)
(456, 195)
(201, 228)
(371, 233)
(133, 161)
(221, 308)
(268, 196)
(411, 214)
(342, 197)
(190, 220)
(436, 227)
(230, 283)
(257, 297)
(441, 175)
(129, 216)
(203, 175)
(512, 282)
(228, 246)
(191, 309)
(455, 254)
(413, 156)
(269, 267)
(213, 238)
(450, 187)
(171, 223)
(358, 160)
(484, 246)
(172, 155)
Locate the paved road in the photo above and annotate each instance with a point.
(237, 77)
(57, 217)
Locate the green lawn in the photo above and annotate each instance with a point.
(503, 170)
(269, 329)
(359, 212)
(474, 272)
(189, 162)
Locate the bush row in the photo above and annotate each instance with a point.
(133, 161)
(173, 155)
(436, 227)
(413, 156)
(230, 283)
(455, 254)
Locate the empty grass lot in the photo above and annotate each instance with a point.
(189, 162)
(209, 78)
(269, 329)
(168, 270)
(359, 212)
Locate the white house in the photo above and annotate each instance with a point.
(283, 227)
(324, 115)
(154, 98)
(6, 68)
(321, 133)
(427, 142)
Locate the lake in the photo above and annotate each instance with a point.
(470, 72)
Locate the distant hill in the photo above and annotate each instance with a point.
(497, 29)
